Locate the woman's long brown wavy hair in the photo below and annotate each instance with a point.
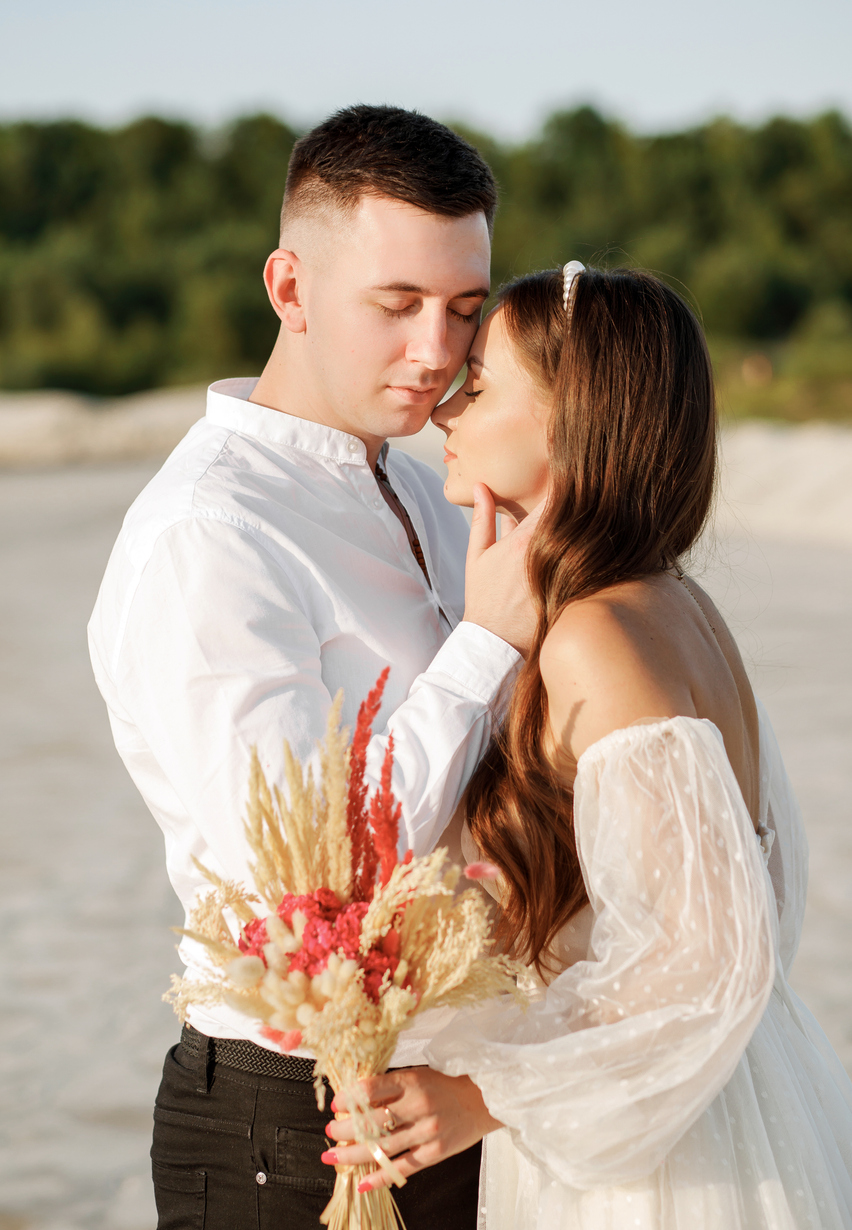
(633, 460)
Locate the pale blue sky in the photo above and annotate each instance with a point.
(658, 64)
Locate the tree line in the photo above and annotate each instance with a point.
(130, 258)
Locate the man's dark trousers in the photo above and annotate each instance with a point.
(235, 1151)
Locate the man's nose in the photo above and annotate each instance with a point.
(429, 344)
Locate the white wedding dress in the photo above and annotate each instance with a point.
(670, 1079)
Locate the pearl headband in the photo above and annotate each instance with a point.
(570, 273)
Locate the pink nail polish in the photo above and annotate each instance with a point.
(364, 1186)
(329, 1157)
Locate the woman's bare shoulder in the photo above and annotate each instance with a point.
(603, 667)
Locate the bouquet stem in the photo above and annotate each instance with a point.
(350, 1209)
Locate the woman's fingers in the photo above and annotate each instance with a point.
(407, 1165)
(483, 526)
(433, 1116)
(397, 1145)
(382, 1089)
(497, 593)
(413, 1159)
(378, 1091)
(507, 524)
(345, 1129)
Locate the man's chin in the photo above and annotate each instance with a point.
(408, 420)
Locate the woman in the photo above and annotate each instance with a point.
(650, 853)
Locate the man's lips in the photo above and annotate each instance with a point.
(416, 396)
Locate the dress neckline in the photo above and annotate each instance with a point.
(625, 734)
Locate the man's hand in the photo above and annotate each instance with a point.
(433, 1117)
(497, 595)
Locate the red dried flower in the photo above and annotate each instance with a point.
(375, 965)
(323, 903)
(391, 945)
(364, 859)
(384, 818)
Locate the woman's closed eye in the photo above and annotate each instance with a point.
(474, 393)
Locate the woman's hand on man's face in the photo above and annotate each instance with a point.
(434, 1117)
(497, 593)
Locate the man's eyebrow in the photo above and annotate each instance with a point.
(480, 292)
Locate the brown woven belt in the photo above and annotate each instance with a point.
(248, 1056)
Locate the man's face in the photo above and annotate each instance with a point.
(392, 304)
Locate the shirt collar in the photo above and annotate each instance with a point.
(228, 406)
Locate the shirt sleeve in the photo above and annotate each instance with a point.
(623, 1051)
(219, 654)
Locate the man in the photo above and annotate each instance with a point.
(282, 553)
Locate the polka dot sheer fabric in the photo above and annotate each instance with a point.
(671, 1080)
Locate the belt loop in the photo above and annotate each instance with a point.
(205, 1064)
(199, 1048)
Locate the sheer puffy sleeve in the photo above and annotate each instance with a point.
(788, 859)
(600, 1077)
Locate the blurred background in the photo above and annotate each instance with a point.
(143, 152)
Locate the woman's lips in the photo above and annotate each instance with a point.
(448, 456)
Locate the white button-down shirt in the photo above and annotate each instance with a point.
(259, 571)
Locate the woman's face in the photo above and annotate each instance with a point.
(496, 427)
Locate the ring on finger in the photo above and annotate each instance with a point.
(389, 1124)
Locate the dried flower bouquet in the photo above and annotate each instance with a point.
(349, 943)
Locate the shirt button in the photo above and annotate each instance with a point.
(260, 1177)
(377, 503)
(353, 446)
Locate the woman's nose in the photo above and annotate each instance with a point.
(446, 416)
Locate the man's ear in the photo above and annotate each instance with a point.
(281, 277)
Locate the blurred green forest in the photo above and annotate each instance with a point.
(131, 258)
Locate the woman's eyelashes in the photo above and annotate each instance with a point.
(474, 393)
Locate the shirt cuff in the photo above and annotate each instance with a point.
(477, 661)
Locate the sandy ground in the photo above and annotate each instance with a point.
(781, 481)
(85, 903)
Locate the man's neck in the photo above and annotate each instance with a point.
(280, 388)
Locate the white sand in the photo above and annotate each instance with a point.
(55, 429)
(778, 481)
(84, 901)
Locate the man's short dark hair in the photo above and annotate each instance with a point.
(386, 151)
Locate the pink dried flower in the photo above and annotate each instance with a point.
(252, 938)
(347, 928)
(481, 871)
(285, 1041)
